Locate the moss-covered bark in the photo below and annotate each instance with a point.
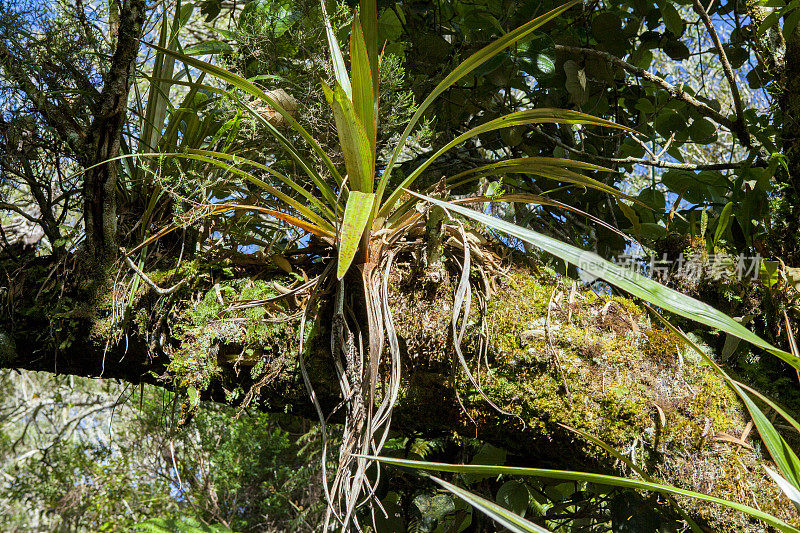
(554, 355)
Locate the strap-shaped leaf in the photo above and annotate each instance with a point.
(356, 149)
(368, 14)
(589, 477)
(627, 280)
(502, 166)
(724, 221)
(158, 92)
(356, 215)
(289, 219)
(540, 200)
(778, 448)
(217, 209)
(772, 405)
(363, 92)
(339, 68)
(301, 208)
(547, 167)
(468, 65)
(788, 489)
(518, 118)
(239, 160)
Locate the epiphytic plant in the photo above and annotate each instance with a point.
(368, 220)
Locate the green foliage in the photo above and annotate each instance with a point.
(580, 477)
(99, 458)
(176, 525)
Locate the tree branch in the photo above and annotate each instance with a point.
(146, 278)
(64, 123)
(100, 183)
(726, 67)
(674, 91)
(645, 162)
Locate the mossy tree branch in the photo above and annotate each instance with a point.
(631, 384)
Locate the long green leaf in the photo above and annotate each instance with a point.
(302, 209)
(529, 199)
(339, 68)
(530, 116)
(547, 167)
(501, 515)
(324, 234)
(325, 227)
(788, 489)
(158, 93)
(587, 477)
(618, 455)
(778, 448)
(724, 221)
(301, 161)
(368, 14)
(632, 282)
(359, 158)
(500, 166)
(468, 65)
(239, 160)
(363, 93)
(217, 209)
(356, 215)
(777, 408)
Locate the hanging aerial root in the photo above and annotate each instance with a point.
(461, 308)
(358, 356)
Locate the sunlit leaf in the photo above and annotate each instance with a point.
(724, 221)
(368, 14)
(548, 167)
(356, 215)
(356, 149)
(778, 448)
(339, 67)
(250, 88)
(363, 95)
(239, 160)
(501, 515)
(518, 118)
(788, 489)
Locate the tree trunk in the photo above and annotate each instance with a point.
(103, 139)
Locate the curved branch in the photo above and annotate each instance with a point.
(647, 162)
(674, 91)
(726, 65)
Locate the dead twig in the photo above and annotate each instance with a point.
(159, 290)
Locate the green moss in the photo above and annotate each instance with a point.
(215, 337)
(603, 368)
(592, 362)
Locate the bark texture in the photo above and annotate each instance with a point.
(103, 138)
